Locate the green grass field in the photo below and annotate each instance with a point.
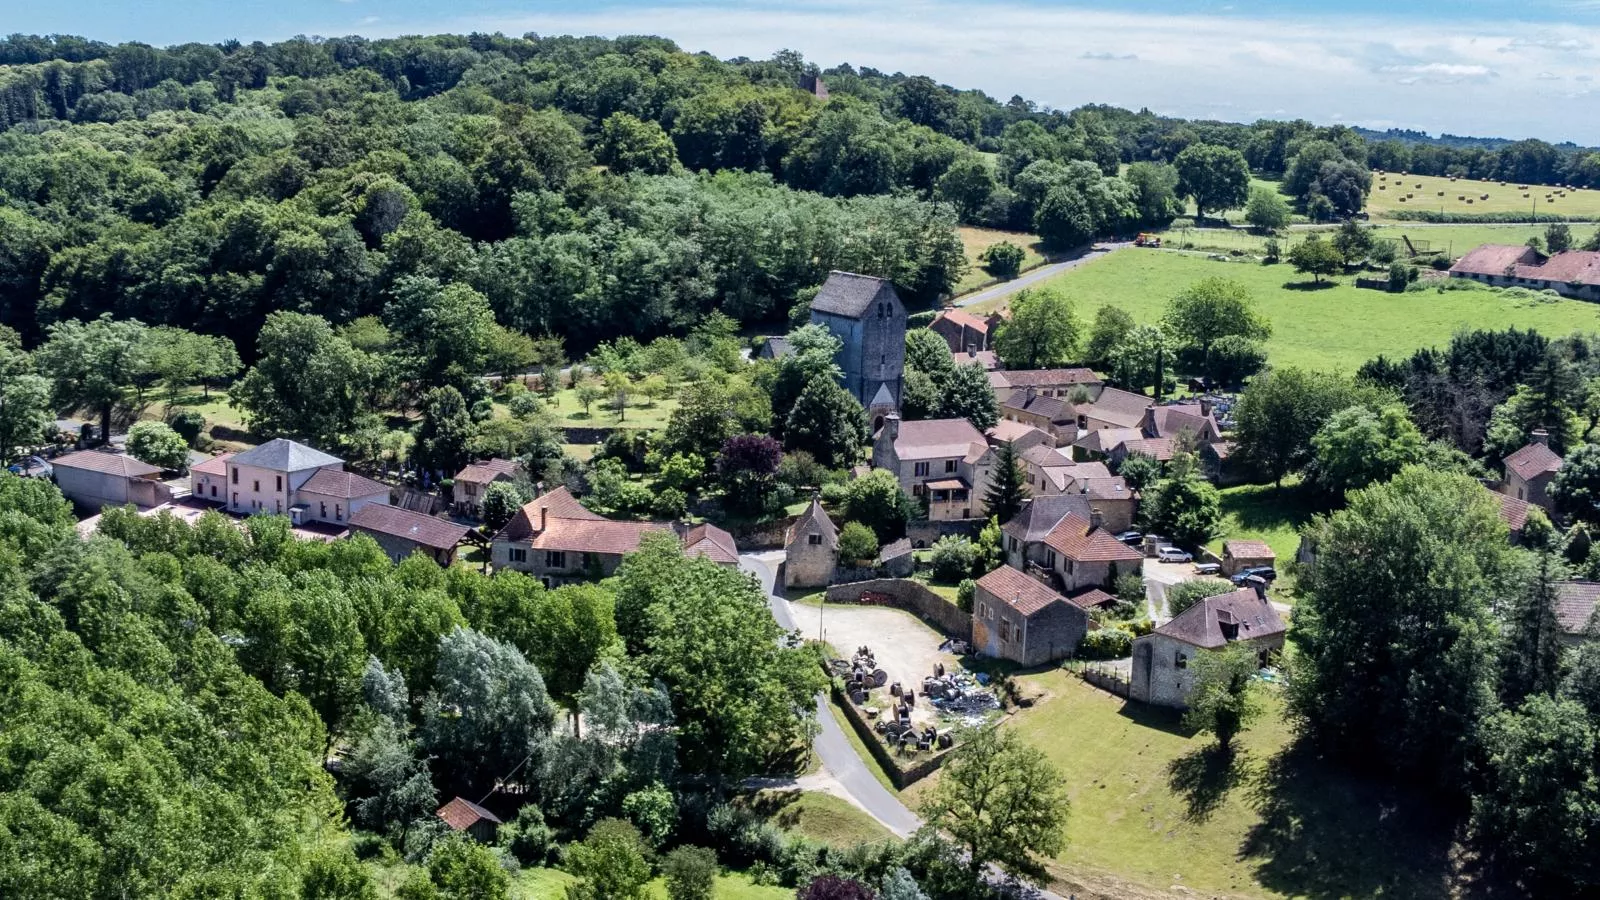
(551, 884)
(821, 817)
(1454, 240)
(1265, 513)
(1150, 806)
(1395, 193)
(1334, 328)
(976, 240)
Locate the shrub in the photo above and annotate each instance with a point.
(1130, 588)
(691, 873)
(857, 543)
(157, 444)
(965, 592)
(669, 503)
(1185, 594)
(654, 810)
(1382, 253)
(1106, 643)
(1003, 260)
(1272, 251)
(524, 404)
(527, 837)
(611, 864)
(188, 424)
(953, 558)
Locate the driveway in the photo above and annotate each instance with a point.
(1034, 277)
(1158, 576)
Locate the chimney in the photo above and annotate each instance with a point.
(1540, 436)
(1260, 585)
(891, 424)
(1205, 406)
(1097, 520)
(1029, 392)
(544, 517)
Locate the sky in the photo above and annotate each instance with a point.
(1492, 68)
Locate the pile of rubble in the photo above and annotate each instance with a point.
(960, 695)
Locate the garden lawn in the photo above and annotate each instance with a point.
(1265, 513)
(1333, 328)
(976, 240)
(1502, 198)
(1149, 807)
(817, 816)
(551, 884)
(568, 412)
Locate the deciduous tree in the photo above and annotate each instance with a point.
(1042, 331)
(1225, 698)
(1216, 178)
(1002, 802)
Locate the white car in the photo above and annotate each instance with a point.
(1174, 555)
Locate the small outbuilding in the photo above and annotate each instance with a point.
(472, 482)
(1238, 555)
(466, 817)
(401, 532)
(93, 479)
(1019, 618)
(811, 549)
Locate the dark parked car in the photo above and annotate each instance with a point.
(1266, 573)
(1130, 537)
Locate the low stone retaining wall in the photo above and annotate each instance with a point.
(586, 435)
(913, 597)
(923, 533)
(902, 772)
(761, 535)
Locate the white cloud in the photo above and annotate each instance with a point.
(1548, 76)
(1181, 64)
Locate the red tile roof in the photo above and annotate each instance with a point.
(1493, 259)
(1162, 449)
(1104, 440)
(1007, 431)
(334, 483)
(602, 536)
(487, 471)
(1575, 602)
(1093, 598)
(711, 542)
(1513, 512)
(935, 438)
(1569, 267)
(1076, 540)
(1120, 408)
(558, 503)
(462, 814)
(119, 464)
(216, 465)
(1020, 592)
(440, 534)
(984, 358)
(1242, 549)
(1532, 461)
(962, 318)
(1201, 624)
(1020, 378)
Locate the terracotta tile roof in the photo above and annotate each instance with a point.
(487, 471)
(1492, 259)
(949, 484)
(335, 483)
(850, 295)
(1022, 593)
(1569, 267)
(1008, 431)
(1201, 624)
(1053, 408)
(558, 503)
(1513, 512)
(1162, 449)
(1113, 488)
(1222, 449)
(440, 534)
(709, 541)
(602, 536)
(462, 814)
(1120, 408)
(1243, 549)
(119, 464)
(938, 438)
(815, 518)
(962, 318)
(1093, 598)
(1575, 602)
(1040, 515)
(1532, 461)
(984, 358)
(1104, 440)
(1019, 378)
(216, 465)
(1073, 538)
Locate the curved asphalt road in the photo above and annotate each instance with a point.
(832, 747)
(1035, 276)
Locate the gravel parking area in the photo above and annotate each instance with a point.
(903, 646)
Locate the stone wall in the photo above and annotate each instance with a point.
(924, 533)
(902, 772)
(912, 597)
(767, 535)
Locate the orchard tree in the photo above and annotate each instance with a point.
(1225, 698)
(1216, 178)
(1316, 257)
(1041, 333)
(1352, 241)
(1002, 802)
(1212, 309)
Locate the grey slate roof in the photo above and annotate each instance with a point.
(850, 295)
(1040, 516)
(284, 455)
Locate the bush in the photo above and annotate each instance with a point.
(1106, 643)
(965, 592)
(1003, 260)
(654, 810)
(157, 444)
(691, 873)
(877, 501)
(188, 424)
(527, 837)
(524, 404)
(1130, 588)
(1185, 594)
(1382, 253)
(1272, 251)
(953, 558)
(857, 543)
(366, 845)
(669, 503)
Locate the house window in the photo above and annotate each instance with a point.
(591, 561)
(1013, 545)
(1180, 662)
(472, 489)
(1005, 630)
(918, 489)
(338, 513)
(518, 554)
(235, 498)
(1050, 559)
(555, 559)
(814, 540)
(324, 509)
(235, 475)
(256, 486)
(277, 507)
(949, 466)
(213, 491)
(280, 483)
(919, 470)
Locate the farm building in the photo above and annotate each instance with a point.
(1238, 555)
(1570, 273)
(92, 479)
(1530, 470)
(469, 818)
(401, 532)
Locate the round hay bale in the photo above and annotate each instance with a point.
(1441, 193)
(1461, 197)
(1402, 199)
(1469, 201)
(1419, 185)
(1382, 188)
(1483, 196)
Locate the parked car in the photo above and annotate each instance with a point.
(1265, 573)
(1174, 555)
(1207, 568)
(1130, 537)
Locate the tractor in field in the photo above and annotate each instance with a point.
(1146, 239)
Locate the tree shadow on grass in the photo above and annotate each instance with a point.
(1309, 285)
(1157, 717)
(1326, 834)
(1203, 777)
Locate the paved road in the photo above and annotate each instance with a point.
(832, 747)
(1035, 276)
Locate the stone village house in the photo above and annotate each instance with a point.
(1161, 673)
(1020, 619)
(1530, 470)
(944, 462)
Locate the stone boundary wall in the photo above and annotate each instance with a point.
(923, 533)
(912, 597)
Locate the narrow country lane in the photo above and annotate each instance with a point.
(1036, 276)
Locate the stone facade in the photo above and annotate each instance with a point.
(1162, 673)
(866, 315)
(811, 550)
(1016, 618)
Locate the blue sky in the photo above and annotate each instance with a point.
(1480, 67)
